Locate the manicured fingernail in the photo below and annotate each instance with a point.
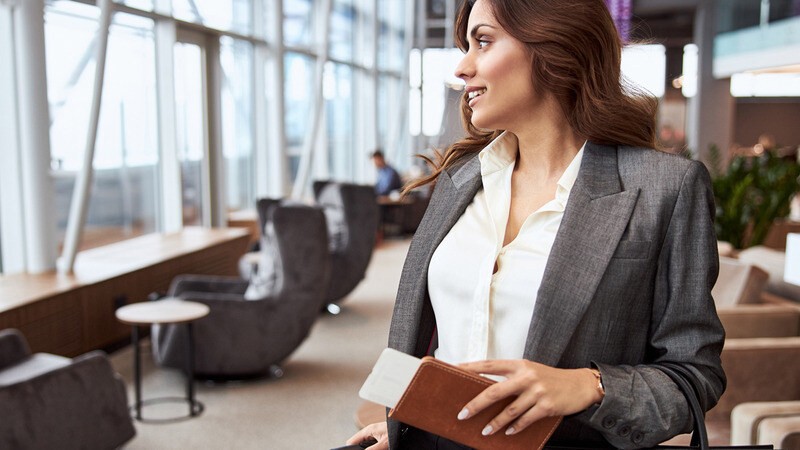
(463, 414)
(510, 431)
(486, 431)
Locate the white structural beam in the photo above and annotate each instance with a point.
(12, 224)
(83, 184)
(259, 104)
(365, 98)
(399, 125)
(171, 210)
(214, 166)
(366, 119)
(34, 141)
(273, 161)
(311, 138)
(710, 112)
(449, 23)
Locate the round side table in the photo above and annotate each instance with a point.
(164, 311)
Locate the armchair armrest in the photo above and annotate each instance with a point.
(226, 303)
(207, 283)
(13, 347)
(758, 369)
(772, 299)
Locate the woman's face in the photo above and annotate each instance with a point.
(497, 70)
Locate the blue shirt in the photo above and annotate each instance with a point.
(388, 180)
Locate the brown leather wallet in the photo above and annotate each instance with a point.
(439, 391)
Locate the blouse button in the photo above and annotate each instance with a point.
(609, 421)
(637, 437)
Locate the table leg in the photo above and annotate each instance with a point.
(137, 371)
(190, 371)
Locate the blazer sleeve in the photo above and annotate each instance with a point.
(643, 406)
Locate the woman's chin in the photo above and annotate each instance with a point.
(480, 123)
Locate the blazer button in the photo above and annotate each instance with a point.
(624, 430)
(637, 437)
(609, 421)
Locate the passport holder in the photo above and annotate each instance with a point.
(439, 391)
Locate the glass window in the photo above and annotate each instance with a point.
(190, 119)
(364, 51)
(415, 92)
(783, 9)
(391, 34)
(298, 98)
(298, 22)
(390, 96)
(737, 14)
(646, 67)
(439, 65)
(342, 29)
(384, 94)
(232, 15)
(124, 196)
(145, 5)
(396, 44)
(337, 90)
(236, 59)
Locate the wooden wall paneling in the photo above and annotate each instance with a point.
(52, 325)
(74, 314)
(100, 301)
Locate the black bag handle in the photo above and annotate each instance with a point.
(686, 382)
(681, 376)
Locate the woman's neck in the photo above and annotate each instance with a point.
(547, 145)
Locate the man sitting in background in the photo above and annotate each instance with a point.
(388, 179)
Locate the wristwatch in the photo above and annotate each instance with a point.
(600, 387)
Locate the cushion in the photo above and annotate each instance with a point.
(330, 199)
(773, 262)
(760, 320)
(746, 418)
(725, 248)
(32, 367)
(781, 431)
(264, 275)
(738, 283)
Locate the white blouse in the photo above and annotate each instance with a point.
(480, 315)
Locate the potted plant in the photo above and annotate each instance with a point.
(750, 194)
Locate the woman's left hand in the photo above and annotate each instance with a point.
(541, 391)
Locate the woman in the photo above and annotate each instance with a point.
(560, 252)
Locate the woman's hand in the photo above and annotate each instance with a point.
(376, 430)
(541, 391)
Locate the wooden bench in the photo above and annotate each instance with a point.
(72, 314)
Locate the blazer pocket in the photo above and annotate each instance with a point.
(632, 250)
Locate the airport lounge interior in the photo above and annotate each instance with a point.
(254, 252)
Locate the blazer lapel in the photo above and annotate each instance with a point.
(413, 322)
(597, 213)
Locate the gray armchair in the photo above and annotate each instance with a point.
(48, 401)
(352, 217)
(253, 326)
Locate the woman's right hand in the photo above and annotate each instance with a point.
(378, 431)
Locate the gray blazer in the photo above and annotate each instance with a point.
(627, 284)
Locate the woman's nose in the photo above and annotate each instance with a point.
(465, 68)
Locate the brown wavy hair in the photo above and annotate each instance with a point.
(576, 53)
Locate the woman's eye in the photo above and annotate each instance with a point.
(482, 43)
